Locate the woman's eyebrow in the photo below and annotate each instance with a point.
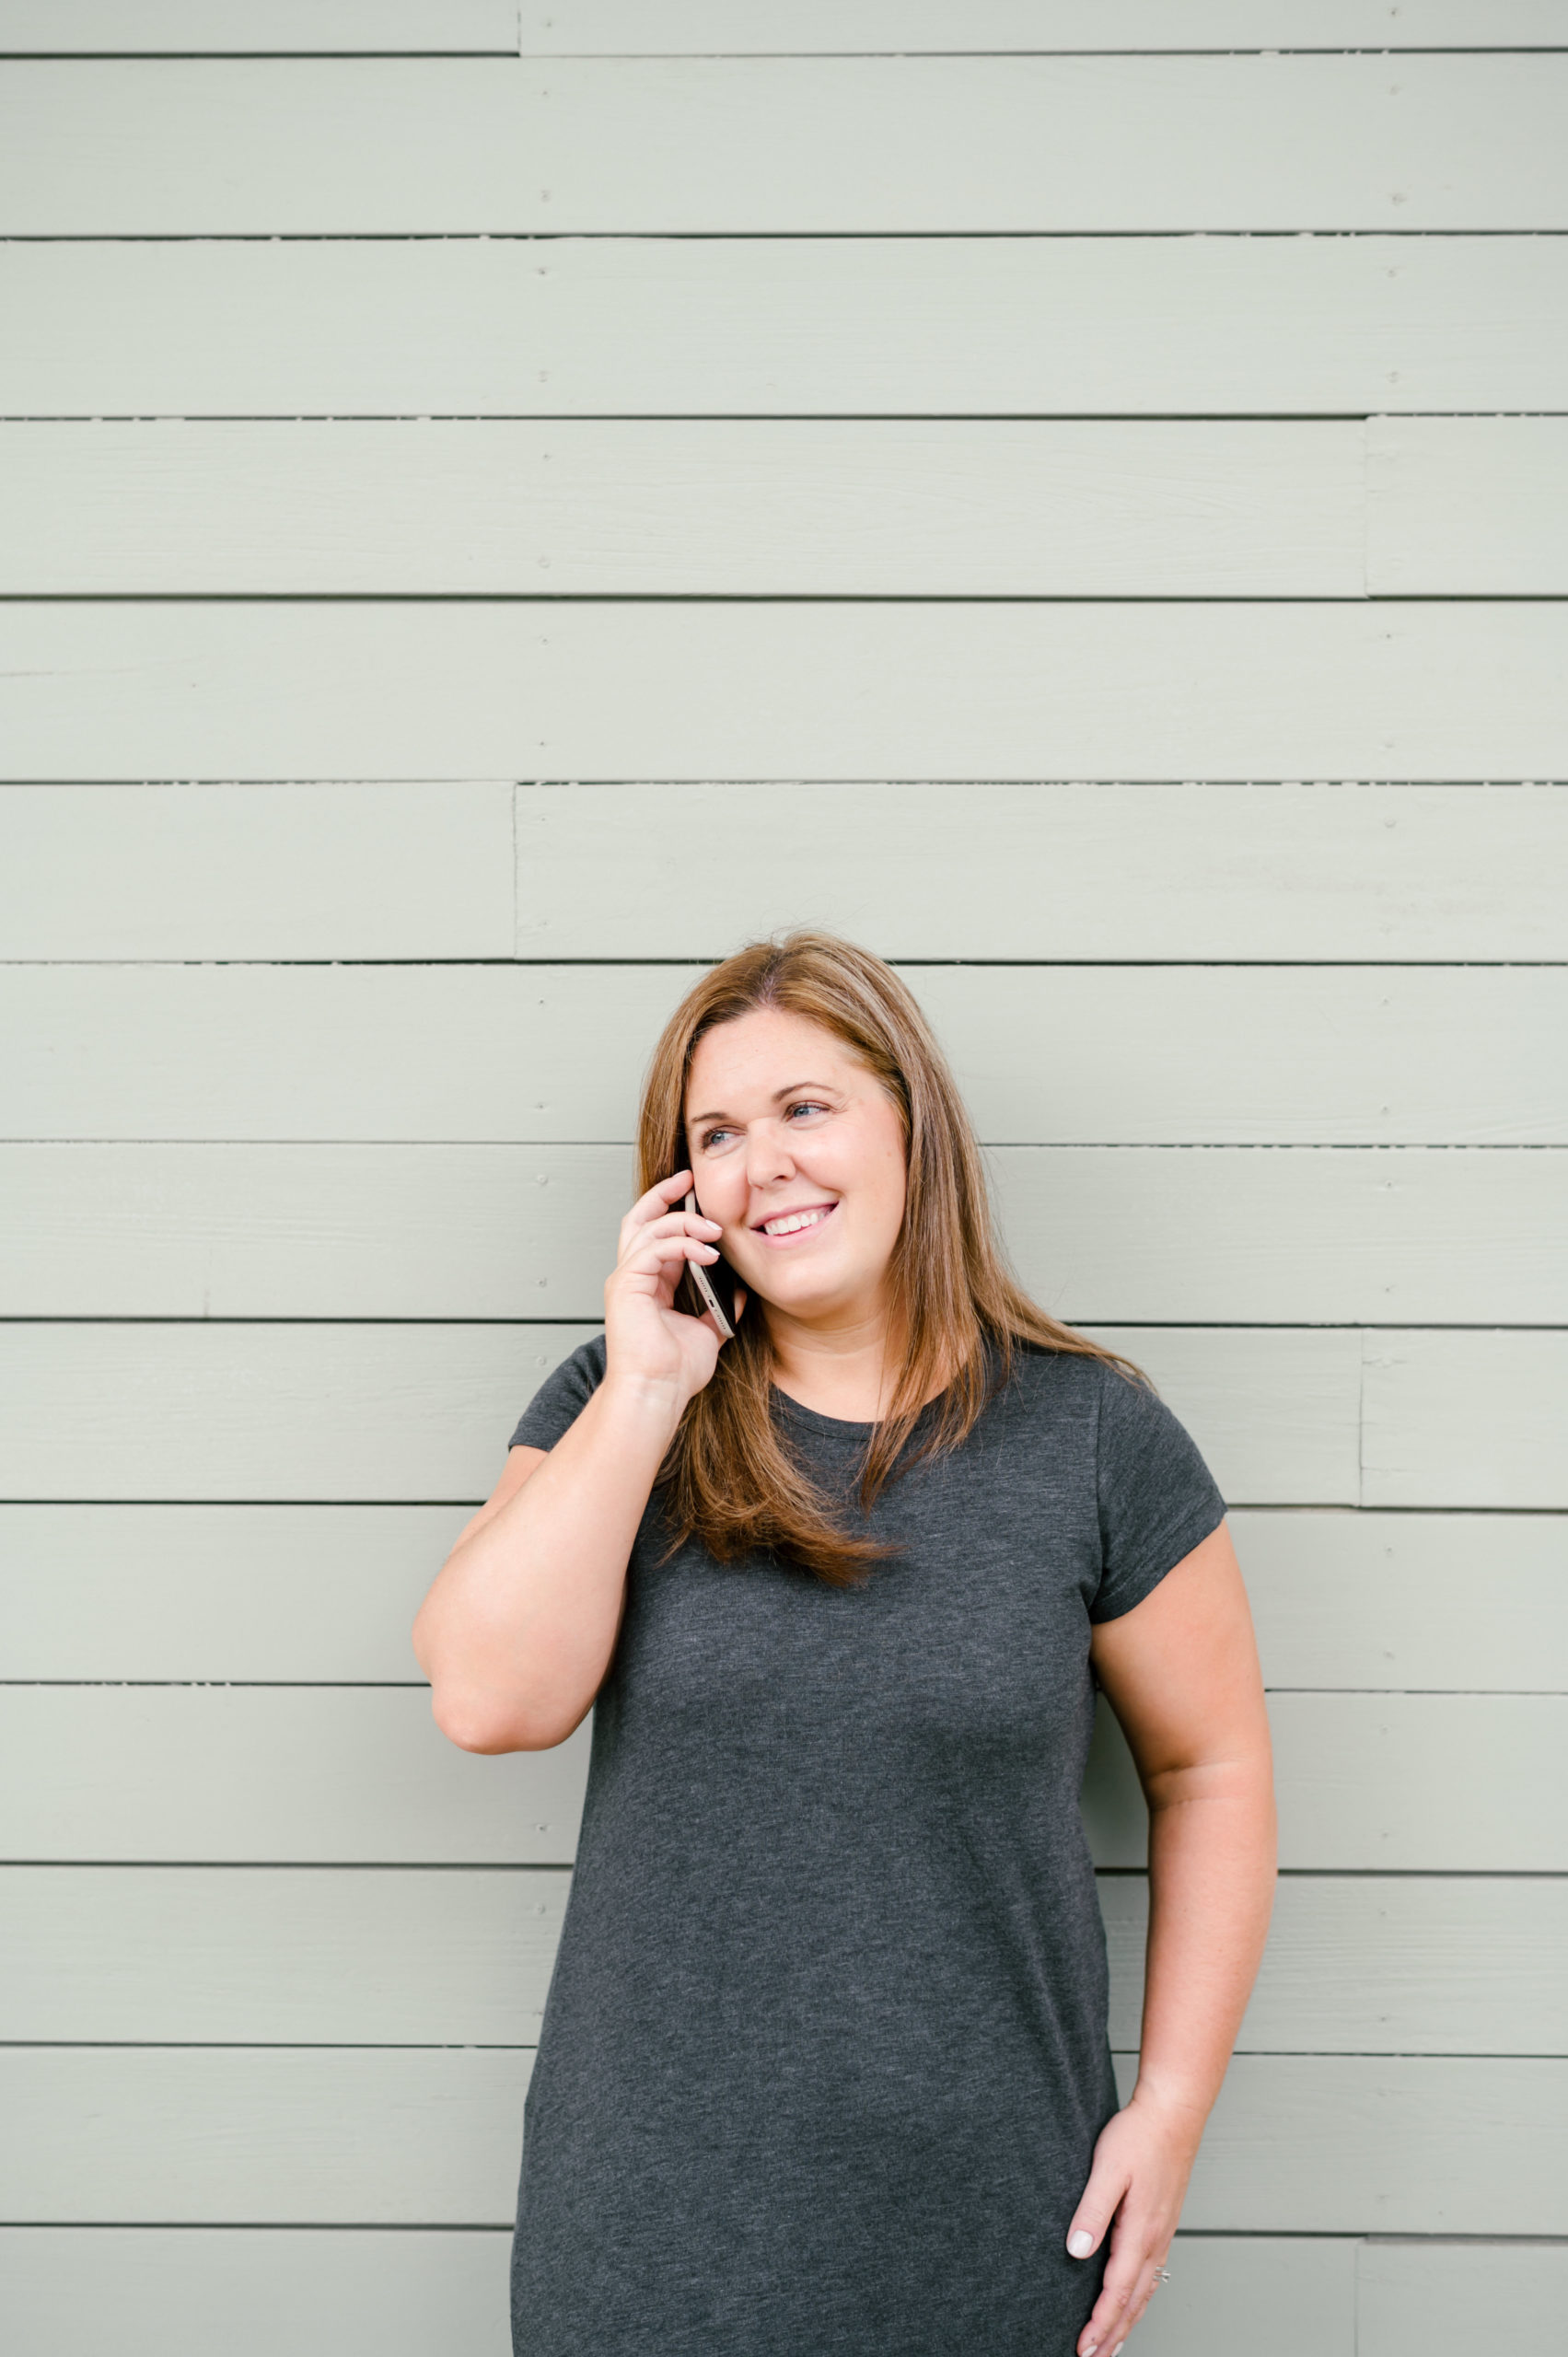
(791, 1090)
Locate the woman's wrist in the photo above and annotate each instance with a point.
(644, 1403)
(1181, 2105)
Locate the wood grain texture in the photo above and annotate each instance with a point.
(1368, 1599)
(1471, 506)
(346, 1412)
(889, 326)
(772, 146)
(1012, 872)
(1383, 1782)
(1331, 2144)
(414, 689)
(710, 507)
(316, 1957)
(1070, 1055)
(1430, 1403)
(1242, 1235)
(218, 28)
(1047, 872)
(1445, 2299)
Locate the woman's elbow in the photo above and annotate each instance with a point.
(476, 1722)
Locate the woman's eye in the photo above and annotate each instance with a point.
(710, 1135)
(808, 1105)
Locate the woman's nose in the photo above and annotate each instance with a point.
(768, 1156)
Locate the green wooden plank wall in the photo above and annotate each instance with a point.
(1116, 497)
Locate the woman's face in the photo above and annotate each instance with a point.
(785, 1124)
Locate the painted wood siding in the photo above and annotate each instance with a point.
(1073, 498)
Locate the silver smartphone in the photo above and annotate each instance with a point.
(703, 1287)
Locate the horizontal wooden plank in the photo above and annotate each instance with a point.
(1446, 2299)
(594, 28)
(1388, 1600)
(1363, 1600)
(457, 1957)
(320, 2136)
(240, 28)
(1071, 1055)
(255, 1774)
(1333, 2144)
(279, 1956)
(1381, 1964)
(1244, 1234)
(1470, 506)
(739, 27)
(1417, 1783)
(177, 2292)
(982, 872)
(356, 1412)
(350, 1412)
(1374, 1235)
(773, 145)
(1319, 2145)
(716, 507)
(1427, 690)
(892, 326)
(278, 871)
(1429, 1415)
(1381, 1782)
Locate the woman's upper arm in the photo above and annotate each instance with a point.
(1181, 1670)
(520, 1463)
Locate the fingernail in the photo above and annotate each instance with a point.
(1081, 2243)
(1119, 2348)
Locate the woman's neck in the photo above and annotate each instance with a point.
(848, 1370)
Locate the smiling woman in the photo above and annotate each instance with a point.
(824, 2064)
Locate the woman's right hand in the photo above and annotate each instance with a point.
(646, 1337)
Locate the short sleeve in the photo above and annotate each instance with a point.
(1157, 1496)
(561, 1398)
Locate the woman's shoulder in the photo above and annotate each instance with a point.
(562, 1396)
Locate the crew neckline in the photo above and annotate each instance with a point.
(849, 1424)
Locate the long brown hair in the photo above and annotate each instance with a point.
(729, 1478)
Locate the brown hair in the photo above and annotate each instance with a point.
(729, 1478)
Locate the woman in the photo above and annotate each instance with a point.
(824, 2063)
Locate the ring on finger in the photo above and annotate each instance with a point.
(1162, 2275)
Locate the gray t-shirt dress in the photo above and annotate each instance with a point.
(824, 2056)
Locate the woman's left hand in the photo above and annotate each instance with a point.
(1143, 2160)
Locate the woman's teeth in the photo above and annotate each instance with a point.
(791, 1221)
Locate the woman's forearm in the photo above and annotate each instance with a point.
(1211, 1863)
(518, 1630)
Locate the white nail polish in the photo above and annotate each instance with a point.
(1082, 2243)
(1119, 2348)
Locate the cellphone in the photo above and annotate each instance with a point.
(700, 1279)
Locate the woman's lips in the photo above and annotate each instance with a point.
(797, 1234)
